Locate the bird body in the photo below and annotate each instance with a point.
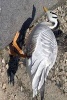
(42, 45)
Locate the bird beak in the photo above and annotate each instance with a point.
(45, 9)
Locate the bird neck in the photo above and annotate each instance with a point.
(50, 24)
(54, 25)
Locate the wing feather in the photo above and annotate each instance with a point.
(43, 47)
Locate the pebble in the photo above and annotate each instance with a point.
(4, 86)
(21, 88)
(28, 30)
(0, 70)
(3, 61)
(0, 10)
(65, 87)
(12, 97)
(7, 66)
(59, 8)
(61, 68)
(65, 68)
(15, 97)
(65, 80)
(2, 74)
(65, 18)
(61, 73)
(66, 74)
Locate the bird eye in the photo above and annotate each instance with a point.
(54, 17)
(53, 13)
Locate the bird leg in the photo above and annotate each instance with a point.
(42, 95)
(14, 45)
(11, 50)
(42, 91)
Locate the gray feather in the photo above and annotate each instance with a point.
(42, 45)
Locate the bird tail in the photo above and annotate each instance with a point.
(40, 77)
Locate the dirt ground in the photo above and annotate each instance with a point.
(56, 84)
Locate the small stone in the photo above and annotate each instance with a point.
(66, 74)
(59, 8)
(0, 70)
(65, 87)
(53, 79)
(66, 2)
(61, 68)
(65, 68)
(57, 81)
(3, 60)
(15, 97)
(63, 21)
(3, 71)
(0, 10)
(65, 24)
(7, 66)
(21, 88)
(3, 86)
(28, 30)
(61, 73)
(65, 80)
(12, 97)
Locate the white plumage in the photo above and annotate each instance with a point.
(42, 45)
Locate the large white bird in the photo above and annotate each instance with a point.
(42, 47)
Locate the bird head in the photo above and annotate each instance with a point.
(52, 17)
